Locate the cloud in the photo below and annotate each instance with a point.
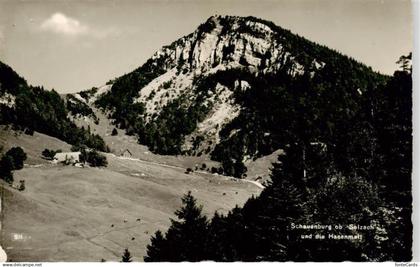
(61, 24)
(66, 26)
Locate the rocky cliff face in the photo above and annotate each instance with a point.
(220, 44)
(231, 42)
(195, 94)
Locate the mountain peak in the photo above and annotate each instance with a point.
(229, 42)
(202, 94)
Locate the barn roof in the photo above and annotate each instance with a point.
(126, 150)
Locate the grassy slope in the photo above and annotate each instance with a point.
(261, 167)
(66, 213)
(118, 144)
(33, 145)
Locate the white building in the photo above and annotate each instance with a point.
(69, 157)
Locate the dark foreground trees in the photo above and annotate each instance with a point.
(263, 229)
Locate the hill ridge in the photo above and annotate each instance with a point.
(197, 95)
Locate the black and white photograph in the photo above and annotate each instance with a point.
(206, 130)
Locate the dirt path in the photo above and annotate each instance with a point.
(180, 168)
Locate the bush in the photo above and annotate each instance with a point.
(114, 132)
(203, 166)
(12, 160)
(18, 156)
(167, 84)
(21, 185)
(93, 158)
(49, 154)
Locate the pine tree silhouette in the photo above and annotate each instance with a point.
(284, 203)
(126, 257)
(156, 249)
(185, 238)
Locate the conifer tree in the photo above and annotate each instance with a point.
(185, 237)
(284, 203)
(126, 257)
(216, 241)
(156, 250)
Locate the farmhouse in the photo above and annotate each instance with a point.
(69, 157)
(126, 154)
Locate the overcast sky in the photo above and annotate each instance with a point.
(72, 45)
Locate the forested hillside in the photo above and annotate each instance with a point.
(362, 182)
(32, 108)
